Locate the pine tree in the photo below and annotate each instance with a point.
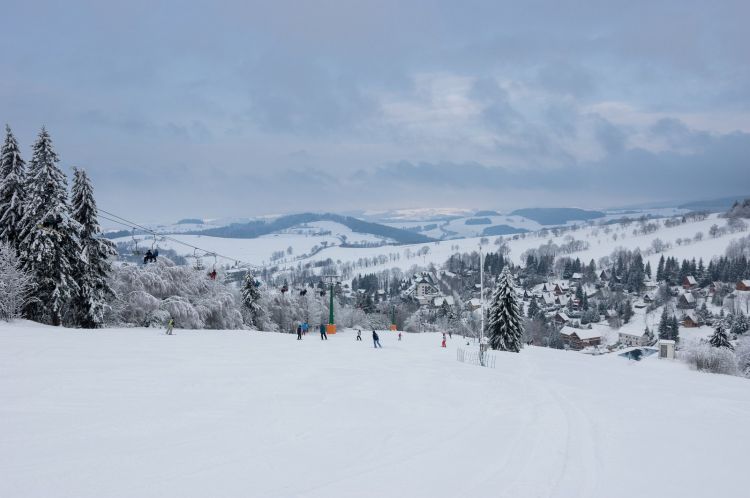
(505, 322)
(674, 329)
(94, 266)
(251, 298)
(739, 324)
(647, 270)
(12, 176)
(533, 308)
(660, 270)
(720, 338)
(668, 326)
(49, 247)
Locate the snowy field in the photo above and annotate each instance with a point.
(134, 413)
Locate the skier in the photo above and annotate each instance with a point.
(399, 336)
(212, 275)
(305, 327)
(148, 257)
(375, 340)
(450, 334)
(299, 332)
(443, 343)
(359, 335)
(323, 334)
(170, 326)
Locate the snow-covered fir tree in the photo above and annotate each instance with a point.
(48, 247)
(505, 320)
(12, 176)
(251, 299)
(720, 337)
(94, 267)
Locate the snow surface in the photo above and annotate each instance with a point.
(132, 412)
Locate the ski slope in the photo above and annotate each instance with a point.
(132, 412)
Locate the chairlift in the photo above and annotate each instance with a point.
(212, 273)
(136, 251)
(198, 261)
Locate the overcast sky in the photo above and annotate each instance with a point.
(182, 109)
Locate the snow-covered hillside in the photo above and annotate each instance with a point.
(601, 240)
(132, 412)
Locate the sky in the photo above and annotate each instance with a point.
(244, 108)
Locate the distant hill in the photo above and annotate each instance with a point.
(713, 205)
(478, 221)
(190, 221)
(487, 212)
(502, 230)
(254, 229)
(557, 216)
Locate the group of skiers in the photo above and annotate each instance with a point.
(150, 256)
(304, 327)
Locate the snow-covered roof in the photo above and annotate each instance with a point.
(691, 280)
(562, 315)
(581, 333)
(689, 298)
(589, 290)
(577, 276)
(746, 283)
(692, 316)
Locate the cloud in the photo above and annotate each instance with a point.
(251, 107)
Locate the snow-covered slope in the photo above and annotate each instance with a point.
(602, 241)
(124, 413)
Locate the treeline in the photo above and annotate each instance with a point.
(721, 269)
(54, 239)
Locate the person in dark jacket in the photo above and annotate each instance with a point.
(323, 334)
(359, 335)
(375, 340)
(299, 332)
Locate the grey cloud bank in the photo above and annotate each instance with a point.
(244, 108)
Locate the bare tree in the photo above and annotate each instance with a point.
(15, 284)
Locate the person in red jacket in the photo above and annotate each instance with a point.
(443, 344)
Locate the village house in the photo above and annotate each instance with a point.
(686, 301)
(634, 337)
(689, 282)
(691, 320)
(577, 277)
(743, 285)
(561, 287)
(578, 339)
(561, 318)
(423, 288)
(548, 299)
